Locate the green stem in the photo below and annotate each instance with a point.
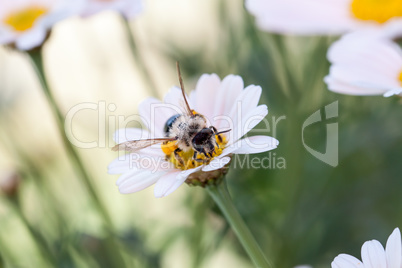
(37, 61)
(36, 57)
(221, 196)
(40, 241)
(137, 55)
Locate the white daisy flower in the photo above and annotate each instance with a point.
(25, 24)
(128, 8)
(322, 16)
(363, 64)
(224, 104)
(374, 255)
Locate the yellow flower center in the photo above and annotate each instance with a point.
(400, 77)
(376, 10)
(185, 160)
(23, 19)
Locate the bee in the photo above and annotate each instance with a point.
(188, 131)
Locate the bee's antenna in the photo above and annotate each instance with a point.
(182, 89)
(224, 131)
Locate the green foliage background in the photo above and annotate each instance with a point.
(307, 213)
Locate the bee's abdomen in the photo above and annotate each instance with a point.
(169, 123)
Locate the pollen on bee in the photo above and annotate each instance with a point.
(168, 147)
(187, 160)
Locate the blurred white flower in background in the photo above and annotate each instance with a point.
(311, 17)
(128, 8)
(211, 98)
(25, 24)
(374, 255)
(363, 63)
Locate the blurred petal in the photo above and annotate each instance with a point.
(393, 250)
(308, 17)
(31, 39)
(364, 65)
(373, 255)
(350, 88)
(346, 261)
(129, 8)
(393, 92)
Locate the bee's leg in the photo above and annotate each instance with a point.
(211, 150)
(213, 129)
(195, 157)
(218, 136)
(178, 157)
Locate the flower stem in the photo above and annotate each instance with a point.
(36, 57)
(40, 241)
(37, 61)
(137, 55)
(221, 196)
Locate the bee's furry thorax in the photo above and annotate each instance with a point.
(185, 127)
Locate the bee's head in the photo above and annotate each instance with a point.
(202, 140)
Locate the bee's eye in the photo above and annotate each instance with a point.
(169, 123)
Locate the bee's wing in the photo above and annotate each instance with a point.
(133, 146)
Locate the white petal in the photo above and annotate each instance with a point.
(129, 8)
(245, 102)
(397, 91)
(121, 164)
(363, 64)
(247, 122)
(255, 144)
(129, 134)
(165, 183)
(173, 181)
(230, 88)
(136, 181)
(207, 87)
(359, 75)
(392, 29)
(154, 114)
(31, 39)
(6, 37)
(303, 17)
(373, 255)
(349, 88)
(134, 8)
(149, 158)
(217, 163)
(393, 250)
(346, 261)
(175, 97)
